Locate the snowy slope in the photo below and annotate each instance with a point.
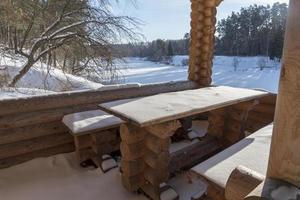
(40, 77)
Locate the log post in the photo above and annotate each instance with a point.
(132, 150)
(284, 158)
(157, 157)
(145, 156)
(203, 20)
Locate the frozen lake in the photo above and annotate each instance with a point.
(247, 75)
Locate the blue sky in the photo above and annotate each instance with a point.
(170, 19)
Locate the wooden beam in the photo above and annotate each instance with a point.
(65, 99)
(7, 162)
(193, 154)
(32, 131)
(284, 159)
(40, 143)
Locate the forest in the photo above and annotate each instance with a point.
(253, 31)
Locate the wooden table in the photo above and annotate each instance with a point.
(152, 120)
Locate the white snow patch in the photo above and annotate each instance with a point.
(40, 76)
(247, 75)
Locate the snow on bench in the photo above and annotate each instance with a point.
(251, 152)
(85, 122)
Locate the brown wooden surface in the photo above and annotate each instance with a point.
(203, 20)
(193, 154)
(31, 120)
(27, 146)
(284, 159)
(65, 99)
(20, 158)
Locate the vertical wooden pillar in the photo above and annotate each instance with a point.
(284, 161)
(203, 20)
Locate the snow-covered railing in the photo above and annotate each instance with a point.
(31, 127)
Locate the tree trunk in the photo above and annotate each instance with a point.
(22, 72)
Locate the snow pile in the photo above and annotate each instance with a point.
(182, 60)
(41, 77)
(59, 177)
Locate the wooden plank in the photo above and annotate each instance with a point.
(65, 99)
(29, 132)
(165, 107)
(64, 148)
(26, 146)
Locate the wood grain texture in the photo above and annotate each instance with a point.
(27, 121)
(32, 131)
(284, 160)
(64, 148)
(35, 144)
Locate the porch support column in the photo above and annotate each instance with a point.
(284, 161)
(203, 20)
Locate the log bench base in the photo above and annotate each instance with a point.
(94, 149)
(147, 160)
(95, 135)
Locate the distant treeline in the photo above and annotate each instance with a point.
(254, 31)
(156, 50)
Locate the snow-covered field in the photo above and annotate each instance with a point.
(41, 80)
(247, 75)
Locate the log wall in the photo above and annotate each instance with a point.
(233, 123)
(31, 127)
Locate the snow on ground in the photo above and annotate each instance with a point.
(40, 77)
(247, 74)
(137, 70)
(59, 177)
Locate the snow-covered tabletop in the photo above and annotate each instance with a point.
(165, 107)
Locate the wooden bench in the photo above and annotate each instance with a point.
(96, 134)
(252, 152)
